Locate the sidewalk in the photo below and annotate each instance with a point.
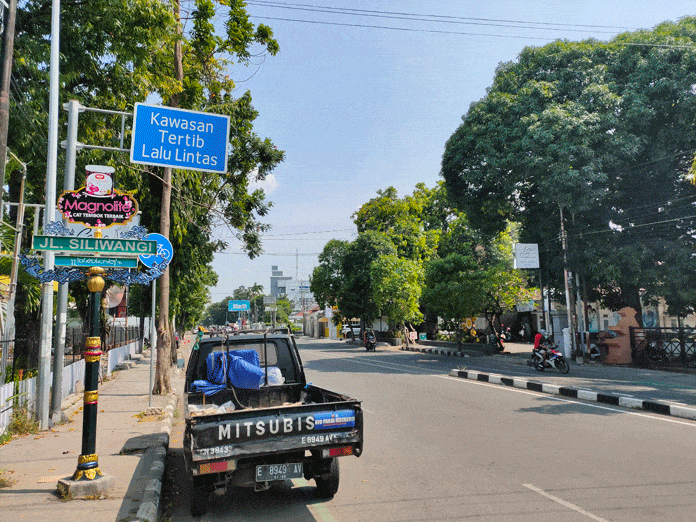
(131, 447)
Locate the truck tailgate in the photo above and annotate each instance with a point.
(258, 432)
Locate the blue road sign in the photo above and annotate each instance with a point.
(238, 306)
(165, 251)
(179, 138)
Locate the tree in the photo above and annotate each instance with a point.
(598, 135)
(400, 220)
(106, 63)
(327, 277)
(396, 288)
(284, 309)
(356, 295)
(454, 288)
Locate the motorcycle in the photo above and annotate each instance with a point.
(370, 342)
(553, 359)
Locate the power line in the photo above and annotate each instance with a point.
(464, 33)
(404, 29)
(432, 17)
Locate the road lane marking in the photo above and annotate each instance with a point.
(564, 503)
(420, 371)
(571, 401)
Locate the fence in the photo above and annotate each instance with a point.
(120, 354)
(663, 347)
(121, 344)
(25, 392)
(117, 335)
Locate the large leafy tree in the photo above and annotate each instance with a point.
(597, 134)
(396, 289)
(107, 63)
(400, 220)
(454, 288)
(356, 294)
(327, 277)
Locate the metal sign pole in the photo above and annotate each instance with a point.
(73, 108)
(153, 342)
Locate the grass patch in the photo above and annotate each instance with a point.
(21, 423)
(5, 479)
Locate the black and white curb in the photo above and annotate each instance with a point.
(157, 455)
(663, 408)
(436, 351)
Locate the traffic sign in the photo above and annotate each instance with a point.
(124, 247)
(238, 306)
(104, 262)
(164, 254)
(179, 138)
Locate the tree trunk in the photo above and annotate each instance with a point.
(164, 339)
(162, 384)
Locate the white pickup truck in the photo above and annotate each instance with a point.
(345, 331)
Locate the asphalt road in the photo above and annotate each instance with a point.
(439, 448)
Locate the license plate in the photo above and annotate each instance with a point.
(278, 472)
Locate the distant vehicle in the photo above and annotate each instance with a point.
(345, 331)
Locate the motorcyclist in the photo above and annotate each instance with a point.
(542, 344)
(369, 337)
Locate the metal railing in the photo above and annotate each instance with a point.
(663, 347)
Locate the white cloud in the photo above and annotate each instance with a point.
(268, 185)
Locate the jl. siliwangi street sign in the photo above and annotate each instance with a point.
(121, 247)
(178, 138)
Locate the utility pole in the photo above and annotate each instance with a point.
(73, 108)
(566, 276)
(10, 324)
(46, 333)
(6, 61)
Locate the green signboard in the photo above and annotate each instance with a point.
(104, 262)
(122, 247)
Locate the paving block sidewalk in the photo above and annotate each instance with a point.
(131, 447)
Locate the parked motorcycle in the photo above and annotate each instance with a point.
(553, 359)
(370, 342)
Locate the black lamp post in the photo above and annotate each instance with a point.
(88, 462)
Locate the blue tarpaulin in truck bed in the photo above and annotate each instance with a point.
(242, 366)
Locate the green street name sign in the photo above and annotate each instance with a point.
(133, 247)
(104, 262)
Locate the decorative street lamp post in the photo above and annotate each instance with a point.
(88, 462)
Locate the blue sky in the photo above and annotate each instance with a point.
(357, 109)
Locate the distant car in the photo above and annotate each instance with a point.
(345, 331)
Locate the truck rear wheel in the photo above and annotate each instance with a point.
(200, 496)
(327, 485)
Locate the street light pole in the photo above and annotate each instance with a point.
(88, 479)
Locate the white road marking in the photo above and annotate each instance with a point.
(417, 370)
(571, 401)
(564, 503)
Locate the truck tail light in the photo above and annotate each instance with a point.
(217, 467)
(341, 452)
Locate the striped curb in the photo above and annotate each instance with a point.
(149, 507)
(662, 408)
(435, 351)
